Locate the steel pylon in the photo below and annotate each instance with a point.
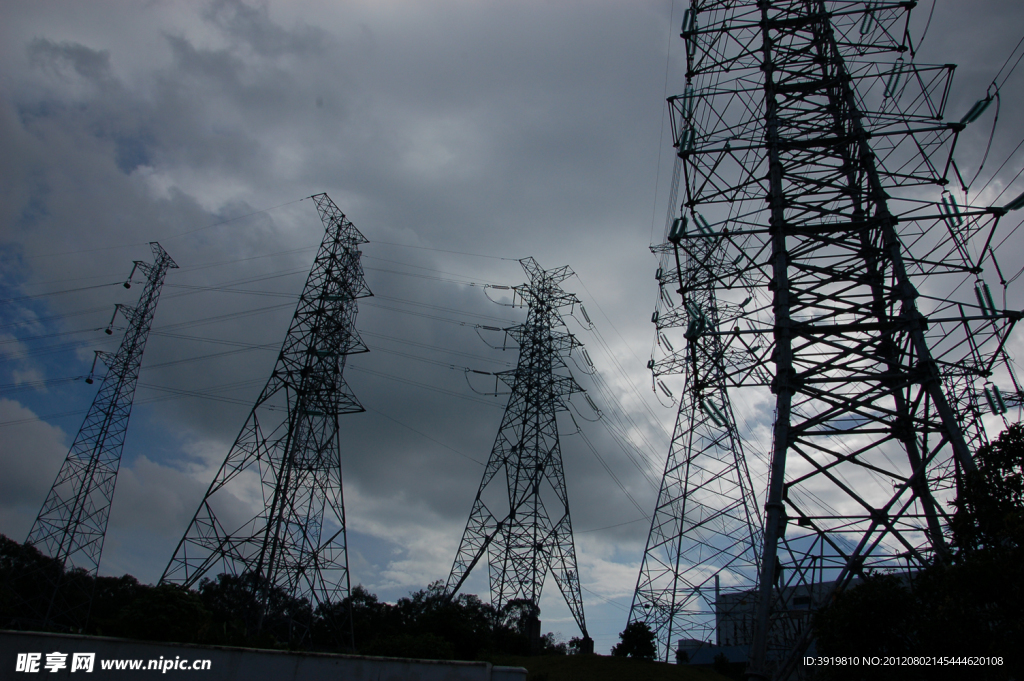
(285, 464)
(705, 534)
(522, 524)
(72, 522)
(813, 162)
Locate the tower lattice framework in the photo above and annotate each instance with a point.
(705, 534)
(72, 523)
(812, 166)
(523, 527)
(289, 450)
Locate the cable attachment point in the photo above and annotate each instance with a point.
(92, 370)
(128, 281)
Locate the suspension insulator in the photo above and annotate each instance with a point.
(975, 111)
(702, 224)
(893, 84)
(868, 22)
(951, 211)
(999, 399)
(1015, 204)
(664, 389)
(678, 231)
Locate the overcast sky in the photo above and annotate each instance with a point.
(458, 137)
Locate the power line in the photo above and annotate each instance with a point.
(56, 293)
(1008, 73)
(442, 250)
(424, 435)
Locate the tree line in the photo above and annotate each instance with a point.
(237, 610)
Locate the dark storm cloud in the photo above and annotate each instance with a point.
(254, 27)
(93, 65)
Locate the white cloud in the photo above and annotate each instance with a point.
(31, 453)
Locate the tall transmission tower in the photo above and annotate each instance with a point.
(72, 522)
(290, 451)
(706, 528)
(513, 525)
(813, 160)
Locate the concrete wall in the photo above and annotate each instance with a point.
(225, 664)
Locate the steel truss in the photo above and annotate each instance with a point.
(515, 528)
(812, 154)
(289, 453)
(72, 522)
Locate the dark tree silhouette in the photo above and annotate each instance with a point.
(636, 640)
(989, 513)
(244, 610)
(168, 612)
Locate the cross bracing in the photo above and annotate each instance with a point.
(705, 531)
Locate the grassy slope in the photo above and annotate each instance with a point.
(603, 668)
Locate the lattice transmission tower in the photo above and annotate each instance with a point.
(827, 276)
(705, 534)
(72, 522)
(286, 461)
(521, 523)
